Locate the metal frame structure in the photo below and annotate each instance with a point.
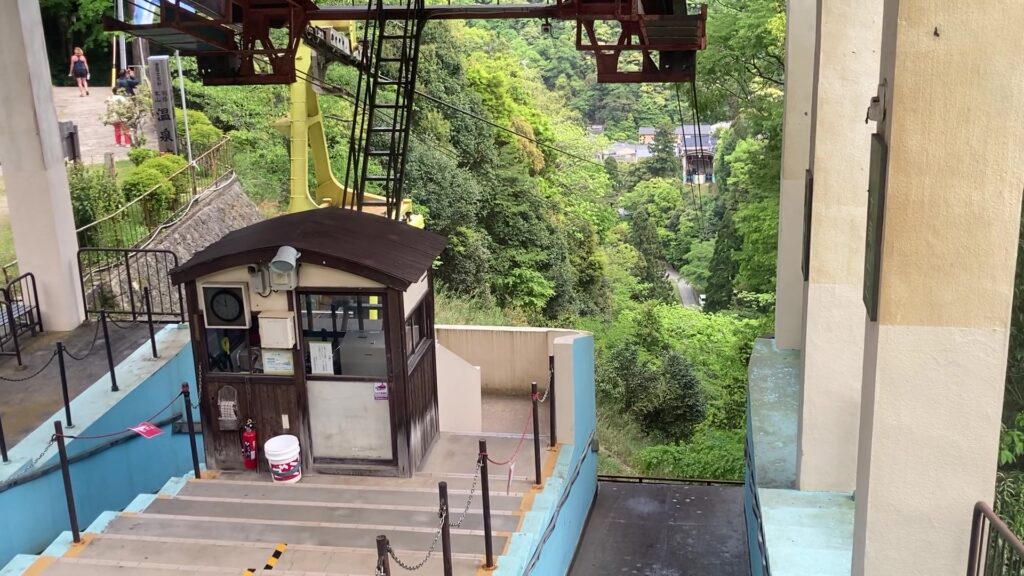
(261, 42)
(235, 44)
(235, 41)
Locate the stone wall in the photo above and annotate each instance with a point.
(118, 286)
(215, 213)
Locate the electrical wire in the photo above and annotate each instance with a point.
(700, 136)
(449, 152)
(334, 90)
(510, 131)
(695, 198)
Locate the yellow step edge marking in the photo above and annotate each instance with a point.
(37, 567)
(76, 549)
(271, 562)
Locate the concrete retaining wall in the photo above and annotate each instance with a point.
(509, 357)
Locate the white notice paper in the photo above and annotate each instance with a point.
(320, 358)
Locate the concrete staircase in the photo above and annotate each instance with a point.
(228, 524)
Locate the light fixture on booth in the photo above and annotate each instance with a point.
(284, 269)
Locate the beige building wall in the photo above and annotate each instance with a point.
(458, 393)
(796, 135)
(509, 358)
(935, 361)
(846, 72)
(33, 167)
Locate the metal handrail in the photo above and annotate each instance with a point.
(989, 555)
(184, 170)
(762, 543)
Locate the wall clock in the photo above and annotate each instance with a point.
(226, 306)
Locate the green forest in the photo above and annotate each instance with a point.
(534, 225)
(541, 232)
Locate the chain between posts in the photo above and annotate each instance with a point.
(437, 535)
(34, 374)
(469, 500)
(35, 462)
(92, 345)
(544, 398)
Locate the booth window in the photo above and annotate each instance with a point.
(343, 335)
(416, 329)
(234, 350)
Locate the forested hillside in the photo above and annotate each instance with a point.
(541, 232)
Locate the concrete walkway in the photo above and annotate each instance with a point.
(94, 138)
(664, 530)
(25, 404)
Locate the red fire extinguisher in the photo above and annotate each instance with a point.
(249, 445)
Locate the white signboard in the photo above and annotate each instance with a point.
(380, 390)
(321, 359)
(278, 362)
(163, 103)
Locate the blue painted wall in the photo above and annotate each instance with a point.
(554, 524)
(35, 513)
(751, 508)
(584, 398)
(557, 554)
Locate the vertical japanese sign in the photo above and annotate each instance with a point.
(163, 103)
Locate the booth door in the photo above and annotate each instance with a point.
(347, 387)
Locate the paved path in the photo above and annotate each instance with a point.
(664, 530)
(95, 139)
(24, 405)
(687, 295)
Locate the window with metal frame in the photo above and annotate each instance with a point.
(344, 334)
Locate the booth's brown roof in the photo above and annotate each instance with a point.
(392, 253)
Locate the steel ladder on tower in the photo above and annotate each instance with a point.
(383, 111)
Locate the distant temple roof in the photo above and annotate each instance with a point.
(392, 253)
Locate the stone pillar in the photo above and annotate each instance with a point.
(846, 76)
(796, 137)
(33, 167)
(935, 360)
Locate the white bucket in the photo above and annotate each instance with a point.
(283, 456)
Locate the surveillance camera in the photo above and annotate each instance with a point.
(284, 261)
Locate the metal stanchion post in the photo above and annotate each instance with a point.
(486, 496)
(64, 385)
(552, 413)
(65, 469)
(3, 445)
(383, 566)
(149, 320)
(191, 429)
(536, 432)
(446, 533)
(110, 354)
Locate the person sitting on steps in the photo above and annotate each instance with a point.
(126, 81)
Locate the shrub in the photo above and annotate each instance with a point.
(155, 206)
(711, 454)
(169, 165)
(204, 137)
(94, 194)
(140, 155)
(201, 132)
